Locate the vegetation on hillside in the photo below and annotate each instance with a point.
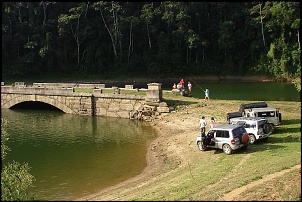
(110, 39)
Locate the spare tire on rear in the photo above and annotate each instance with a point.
(245, 138)
(266, 128)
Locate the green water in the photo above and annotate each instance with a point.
(73, 156)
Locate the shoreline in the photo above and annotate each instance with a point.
(155, 162)
(140, 80)
(173, 151)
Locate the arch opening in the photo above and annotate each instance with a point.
(35, 105)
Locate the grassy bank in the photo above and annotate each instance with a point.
(281, 151)
(177, 170)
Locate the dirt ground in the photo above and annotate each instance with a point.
(175, 148)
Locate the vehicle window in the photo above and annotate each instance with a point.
(262, 122)
(211, 132)
(250, 125)
(266, 114)
(222, 133)
(238, 131)
(241, 123)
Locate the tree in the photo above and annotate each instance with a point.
(15, 178)
(73, 19)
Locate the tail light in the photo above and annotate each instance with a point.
(232, 141)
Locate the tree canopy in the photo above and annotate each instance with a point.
(148, 38)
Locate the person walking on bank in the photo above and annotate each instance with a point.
(202, 123)
(189, 87)
(207, 94)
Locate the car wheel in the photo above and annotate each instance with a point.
(272, 127)
(266, 128)
(200, 146)
(252, 139)
(227, 149)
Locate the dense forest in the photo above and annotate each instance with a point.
(151, 38)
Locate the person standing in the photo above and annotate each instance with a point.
(212, 124)
(182, 83)
(207, 94)
(202, 123)
(250, 113)
(189, 87)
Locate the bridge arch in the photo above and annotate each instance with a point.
(37, 98)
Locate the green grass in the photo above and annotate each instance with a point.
(217, 173)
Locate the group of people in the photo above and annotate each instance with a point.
(181, 87)
(209, 138)
(203, 124)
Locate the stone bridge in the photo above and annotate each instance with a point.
(97, 103)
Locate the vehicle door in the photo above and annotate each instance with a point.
(251, 127)
(221, 137)
(211, 135)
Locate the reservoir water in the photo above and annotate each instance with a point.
(73, 156)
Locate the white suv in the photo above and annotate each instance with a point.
(227, 137)
(257, 128)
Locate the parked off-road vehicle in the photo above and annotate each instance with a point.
(258, 109)
(272, 115)
(257, 128)
(227, 137)
(242, 110)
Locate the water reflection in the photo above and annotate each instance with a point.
(72, 156)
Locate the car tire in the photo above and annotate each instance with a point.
(266, 128)
(227, 149)
(200, 146)
(252, 138)
(272, 127)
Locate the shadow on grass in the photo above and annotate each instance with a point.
(290, 122)
(286, 139)
(257, 146)
(178, 102)
(287, 130)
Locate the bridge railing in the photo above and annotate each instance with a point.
(69, 85)
(36, 90)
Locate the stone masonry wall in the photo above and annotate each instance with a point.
(95, 104)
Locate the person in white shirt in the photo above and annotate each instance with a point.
(207, 94)
(189, 87)
(202, 123)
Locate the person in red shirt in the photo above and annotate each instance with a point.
(182, 83)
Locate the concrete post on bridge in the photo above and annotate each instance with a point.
(154, 93)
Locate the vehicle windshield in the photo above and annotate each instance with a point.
(237, 132)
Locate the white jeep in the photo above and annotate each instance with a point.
(257, 128)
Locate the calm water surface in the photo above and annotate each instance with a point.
(72, 156)
(251, 91)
